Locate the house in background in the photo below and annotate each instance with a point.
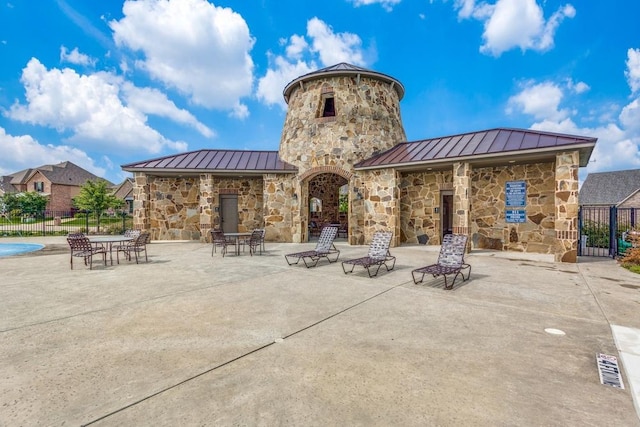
(124, 191)
(618, 188)
(60, 183)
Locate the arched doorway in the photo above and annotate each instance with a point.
(328, 202)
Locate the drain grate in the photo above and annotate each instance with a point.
(609, 370)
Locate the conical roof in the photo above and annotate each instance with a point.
(343, 69)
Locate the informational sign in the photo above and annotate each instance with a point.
(516, 215)
(516, 194)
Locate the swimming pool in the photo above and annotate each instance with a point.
(8, 249)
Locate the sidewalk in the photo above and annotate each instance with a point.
(191, 339)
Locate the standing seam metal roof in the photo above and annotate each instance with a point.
(216, 161)
(500, 141)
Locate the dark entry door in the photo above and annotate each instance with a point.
(229, 213)
(446, 213)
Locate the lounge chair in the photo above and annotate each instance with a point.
(324, 248)
(377, 256)
(450, 261)
(81, 247)
(137, 246)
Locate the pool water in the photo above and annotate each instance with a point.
(8, 249)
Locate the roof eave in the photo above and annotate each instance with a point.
(521, 155)
(192, 172)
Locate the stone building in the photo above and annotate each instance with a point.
(343, 158)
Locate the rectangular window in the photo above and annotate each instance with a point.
(38, 186)
(329, 108)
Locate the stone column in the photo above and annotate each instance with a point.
(566, 199)
(206, 206)
(141, 201)
(461, 198)
(280, 206)
(381, 204)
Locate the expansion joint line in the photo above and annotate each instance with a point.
(228, 362)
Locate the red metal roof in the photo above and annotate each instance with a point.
(480, 146)
(216, 161)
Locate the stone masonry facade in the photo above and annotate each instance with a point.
(417, 206)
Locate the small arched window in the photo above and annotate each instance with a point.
(329, 108)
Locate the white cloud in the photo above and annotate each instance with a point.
(296, 47)
(270, 86)
(75, 57)
(541, 100)
(514, 23)
(633, 69)
(21, 152)
(386, 4)
(90, 107)
(152, 101)
(618, 134)
(193, 46)
(322, 45)
(333, 47)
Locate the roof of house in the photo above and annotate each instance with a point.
(488, 147)
(6, 186)
(64, 173)
(343, 69)
(216, 161)
(609, 188)
(124, 190)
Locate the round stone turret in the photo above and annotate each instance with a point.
(340, 115)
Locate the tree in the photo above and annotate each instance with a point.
(28, 203)
(96, 196)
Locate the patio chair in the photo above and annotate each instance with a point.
(219, 240)
(81, 247)
(324, 248)
(137, 246)
(450, 261)
(377, 256)
(254, 242)
(131, 233)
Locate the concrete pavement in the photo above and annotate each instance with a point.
(191, 339)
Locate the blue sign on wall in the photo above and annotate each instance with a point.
(516, 215)
(515, 193)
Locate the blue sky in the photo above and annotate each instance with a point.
(105, 83)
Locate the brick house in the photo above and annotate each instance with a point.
(60, 183)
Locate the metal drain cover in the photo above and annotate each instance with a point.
(609, 370)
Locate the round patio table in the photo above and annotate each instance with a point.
(238, 236)
(110, 240)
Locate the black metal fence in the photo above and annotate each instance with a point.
(58, 223)
(601, 227)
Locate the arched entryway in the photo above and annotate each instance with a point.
(326, 201)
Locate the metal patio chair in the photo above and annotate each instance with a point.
(219, 240)
(137, 246)
(81, 247)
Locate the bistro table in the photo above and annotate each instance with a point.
(237, 237)
(109, 241)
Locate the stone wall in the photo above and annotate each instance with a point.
(566, 201)
(367, 120)
(174, 208)
(375, 205)
(489, 229)
(420, 196)
(282, 219)
(187, 208)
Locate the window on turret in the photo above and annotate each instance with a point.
(329, 109)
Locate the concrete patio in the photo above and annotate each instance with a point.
(191, 339)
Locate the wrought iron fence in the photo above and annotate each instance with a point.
(59, 223)
(601, 227)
